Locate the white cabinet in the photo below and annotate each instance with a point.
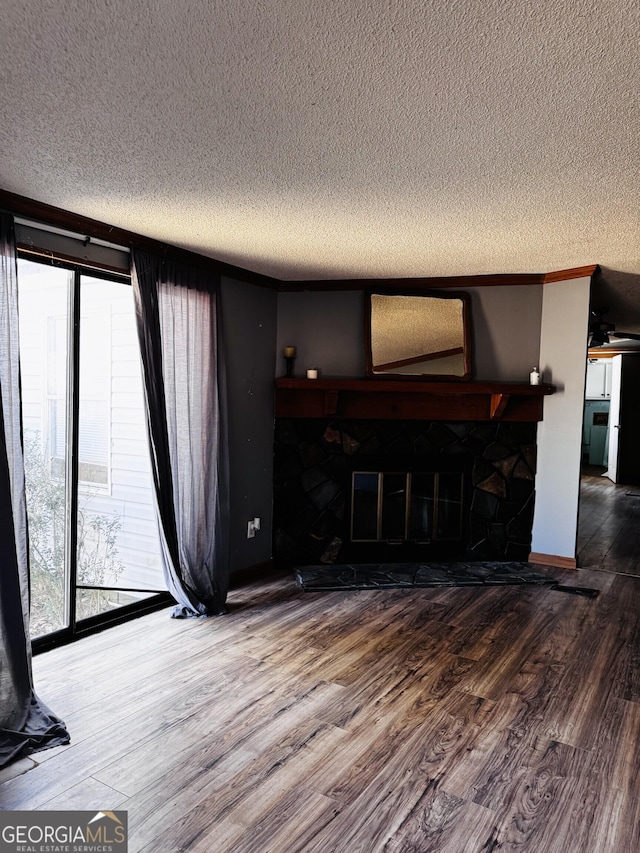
(598, 379)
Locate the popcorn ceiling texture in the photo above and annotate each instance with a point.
(315, 139)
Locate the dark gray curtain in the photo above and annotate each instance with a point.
(179, 328)
(26, 724)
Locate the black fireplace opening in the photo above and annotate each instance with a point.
(402, 491)
(406, 509)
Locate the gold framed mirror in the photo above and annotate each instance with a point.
(418, 336)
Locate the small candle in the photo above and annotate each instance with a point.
(312, 373)
(289, 352)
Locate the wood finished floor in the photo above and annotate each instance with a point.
(455, 720)
(609, 526)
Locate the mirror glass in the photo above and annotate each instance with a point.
(418, 336)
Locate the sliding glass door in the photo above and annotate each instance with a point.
(94, 545)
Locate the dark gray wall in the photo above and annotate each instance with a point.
(327, 329)
(249, 316)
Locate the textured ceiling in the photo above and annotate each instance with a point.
(319, 139)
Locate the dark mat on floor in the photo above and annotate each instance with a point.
(399, 575)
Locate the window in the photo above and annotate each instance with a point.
(94, 544)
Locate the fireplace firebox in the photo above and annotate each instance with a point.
(406, 509)
(397, 507)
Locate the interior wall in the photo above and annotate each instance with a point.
(563, 357)
(506, 331)
(249, 317)
(328, 330)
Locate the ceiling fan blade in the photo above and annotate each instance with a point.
(626, 336)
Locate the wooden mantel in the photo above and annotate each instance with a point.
(364, 399)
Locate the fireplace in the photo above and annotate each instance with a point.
(395, 471)
(402, 491)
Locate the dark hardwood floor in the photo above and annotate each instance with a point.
(453, 720)
(608, 525)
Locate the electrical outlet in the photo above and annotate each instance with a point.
(251, 529)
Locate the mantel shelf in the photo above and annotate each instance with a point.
(409, 400)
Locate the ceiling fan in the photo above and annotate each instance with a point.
(600, 331)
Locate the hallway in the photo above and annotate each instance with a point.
(608, 525)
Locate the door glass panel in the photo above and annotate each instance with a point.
(394, 505)
(449, 523)
(43, 309)
(421, 510)
(364, 522)
(118, 547)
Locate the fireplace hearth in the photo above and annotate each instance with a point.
(397, 490)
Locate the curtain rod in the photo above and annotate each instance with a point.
(74, 235)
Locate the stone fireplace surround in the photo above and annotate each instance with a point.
(314, 458)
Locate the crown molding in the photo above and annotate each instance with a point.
(440, 282)
(576, 272)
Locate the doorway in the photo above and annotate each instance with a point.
(608, 531)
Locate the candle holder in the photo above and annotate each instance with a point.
(289, 358)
